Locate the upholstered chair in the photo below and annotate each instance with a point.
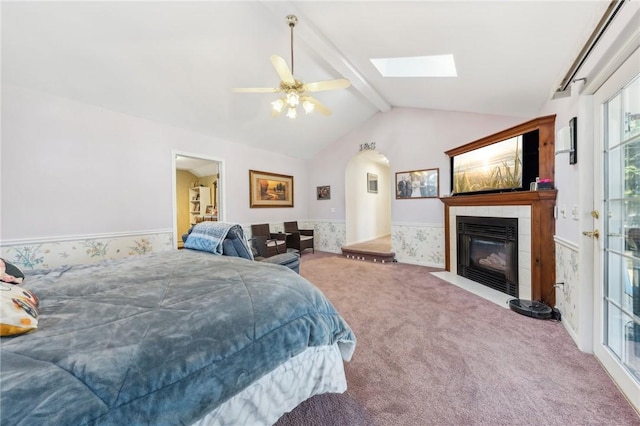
(276, 243)
(299, 239)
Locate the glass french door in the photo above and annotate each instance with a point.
(617, 342)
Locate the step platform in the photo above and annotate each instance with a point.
(368, 255)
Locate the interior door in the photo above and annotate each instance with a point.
(617, 214)
(202, 170)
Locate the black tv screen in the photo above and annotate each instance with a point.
(507, 165)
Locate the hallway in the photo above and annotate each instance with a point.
(377, 250)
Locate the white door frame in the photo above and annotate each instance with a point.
(221, 190)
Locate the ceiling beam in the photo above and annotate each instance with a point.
(316, 41)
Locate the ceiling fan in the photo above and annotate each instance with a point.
(295, 92)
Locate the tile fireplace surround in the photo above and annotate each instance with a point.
(523, 214)
(536, 227)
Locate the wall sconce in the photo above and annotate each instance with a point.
(567, 140)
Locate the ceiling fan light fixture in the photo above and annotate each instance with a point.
(278, 104)
(295, 92)
(308, 106)
(292, 98)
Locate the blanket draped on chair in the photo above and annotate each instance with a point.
(213, 237)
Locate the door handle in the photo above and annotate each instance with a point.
(592, 234)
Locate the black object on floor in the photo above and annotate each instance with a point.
(531, 309)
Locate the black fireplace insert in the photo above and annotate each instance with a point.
(488, 251)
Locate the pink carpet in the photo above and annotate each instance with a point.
(430, 353)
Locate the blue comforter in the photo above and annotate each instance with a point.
(157, 339)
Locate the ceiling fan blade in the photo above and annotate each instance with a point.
(282, 69)
(318, 86)
(317, 105)
(255, 90)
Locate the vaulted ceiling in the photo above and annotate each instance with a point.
(176, 62)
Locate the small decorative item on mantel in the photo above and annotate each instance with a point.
(541, 184)
(545, 184)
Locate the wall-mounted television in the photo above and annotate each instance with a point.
(507, 165)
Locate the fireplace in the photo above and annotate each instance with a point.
(488, 251)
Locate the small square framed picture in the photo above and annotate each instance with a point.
(323, 192)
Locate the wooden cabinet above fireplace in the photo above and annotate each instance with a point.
(534, 152)
(541, 205)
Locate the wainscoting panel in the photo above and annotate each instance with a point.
(419, 244)
(52, 253)
(567, 273)
(329, 236)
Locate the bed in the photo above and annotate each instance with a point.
(175, 337)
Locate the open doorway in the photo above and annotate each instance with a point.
(197, 192)
(367, 210)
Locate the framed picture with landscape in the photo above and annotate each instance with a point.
(417, 184)
(270, 189)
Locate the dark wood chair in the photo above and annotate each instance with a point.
(299, 239)
(275, 243)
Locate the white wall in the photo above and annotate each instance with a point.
(411, 139)
(567, 179)
(72, 169)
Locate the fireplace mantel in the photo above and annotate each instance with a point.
(515, 198)
(542, 203)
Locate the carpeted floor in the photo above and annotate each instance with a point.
(430, 353)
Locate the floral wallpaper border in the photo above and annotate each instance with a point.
(81, 250)
(567, 272)
(420, 244)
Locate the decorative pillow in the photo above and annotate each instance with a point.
(10, 273)
(18, 310)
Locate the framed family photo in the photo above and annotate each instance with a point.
(417, 184)
(323, 192)
(270, 189)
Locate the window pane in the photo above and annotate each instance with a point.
(631, 95)
(613, 121)
(623, 338)
(615, 329)
(632, 168)
(614, 174)
(631, 354)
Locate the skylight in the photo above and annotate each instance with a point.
(416, 66)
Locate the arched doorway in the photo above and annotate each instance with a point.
(367, 205)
